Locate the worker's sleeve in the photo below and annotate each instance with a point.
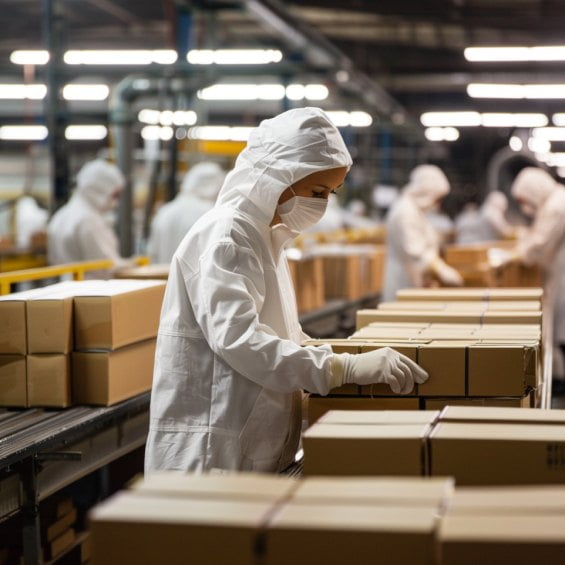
(416, 243)
(543, 238)
(497, 220)
(225, 294)
(98, 241)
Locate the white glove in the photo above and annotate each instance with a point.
(380, 366)
(446, 274)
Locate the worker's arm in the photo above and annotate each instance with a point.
(97, 241)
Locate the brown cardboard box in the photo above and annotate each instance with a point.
(59, 544)
(528, 416)
(484, 294)
(503, 402)
(121, 313)
(13, 381)
(505, 370)
(378, 417)
(364, 449)
(445, 364)
(132, 528)
(50, 323)
(319, 405)
(62, 524)
(377, 491)
(304, 534)
(498, 454)
(307, 276)
(489, 540)
(49, 380)
(240, 486)
(145, 272)
(107, 377)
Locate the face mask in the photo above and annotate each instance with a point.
(301, 212)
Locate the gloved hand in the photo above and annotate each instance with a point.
(446, 274)
(380, 366)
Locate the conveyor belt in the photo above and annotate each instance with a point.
(13, 422)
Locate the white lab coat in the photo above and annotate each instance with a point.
(412, 242)
(197, 195)
(78, 230)
(544, 243)
(30, 219)
(229, 366)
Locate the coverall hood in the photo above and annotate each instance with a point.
(97, 182)
(203, 181)
(427, 185)
(533, 187)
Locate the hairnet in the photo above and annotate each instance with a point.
(533, 187)
(427, 185)
(280, 152)
(204, 181)
(496, 200)
(98, 181)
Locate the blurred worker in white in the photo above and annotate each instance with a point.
(31, 219)
(412, 243)
(229, 366)
(78, 231)
(355, 215)
(542, 198)
(197, 195)
(487, 223)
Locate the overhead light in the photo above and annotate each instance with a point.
(233, 56)
(23, 133)
(264, 92)
(515, 143)
(23, 91)
(148, 116)
(442, 134)
(556, 160)
(507, 54)
(153, 133)
(539, 145)
(513, 120)
(86, 132)
(86, 92)
(220, 133)
(516, 91)
(29, 57)
(558, 119)
(430, 119)
(342, 118)
(550, 133)
(167, 117)
(120, 56)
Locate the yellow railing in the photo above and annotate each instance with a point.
(77, 270)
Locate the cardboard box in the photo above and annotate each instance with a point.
(50, 323)
(13, 381)
(483, 294)
(498, 454)
(106, 377)
(304, 534)
(528, 416)
(377, 491)
(319, 405)
(446, 366)
(59, 544)
(505, 370)
(61, 525)
(240, 486)
(158, 271)
(489, 540)
(365, 450)
(132, 528)
(503, 402)
(378, 417)
(121, 313)
(49, 380)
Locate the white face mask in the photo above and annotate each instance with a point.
(301, 212)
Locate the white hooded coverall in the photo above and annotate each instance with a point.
(197, 195)
(412, 242)
(229, 366)
(78, 230)
(544, 243)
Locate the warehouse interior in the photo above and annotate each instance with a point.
(385, 386)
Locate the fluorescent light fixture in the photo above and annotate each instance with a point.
(513, 120)
(516, 143)
(518, 53)
(167, 117)
(360, 119)
(86, 132)
(23, 133)
(558, 119)
(341, 118)
(23, 91)
(516, 91)
(120, 56)
(561, 171)
(29, 57)
(153, 133)
(442, 134)
(430, 119)
(556, 160)
(233, 56)
(86, 92)
(539, 145)
(148, 116)
(220, 133)
(315, 92)
(550, 133)
(264, 92)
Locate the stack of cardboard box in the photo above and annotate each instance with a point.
(476, 446)
(307, 273)
(59, 532)
(103, 330)
(251, 519)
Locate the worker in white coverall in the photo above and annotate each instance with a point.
(78, 231)
(543, 244)
(412, 256)
(488, 223)
(229, 366)
(197, 195)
